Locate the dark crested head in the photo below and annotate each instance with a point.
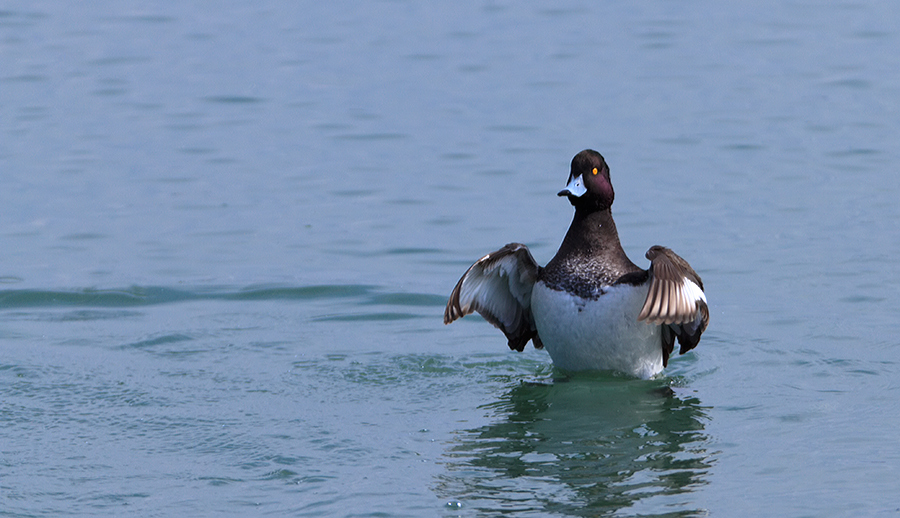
(589, 183)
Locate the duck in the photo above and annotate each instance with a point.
(590, 307)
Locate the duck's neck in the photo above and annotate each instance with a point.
(593, 236)
(590, 257)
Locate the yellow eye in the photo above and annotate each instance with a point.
(594, 171)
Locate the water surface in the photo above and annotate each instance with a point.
(229, 232)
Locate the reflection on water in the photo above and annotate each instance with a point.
(586, 446)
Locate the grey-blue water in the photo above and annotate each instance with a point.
(228, 231)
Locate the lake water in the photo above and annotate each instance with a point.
(229, 230)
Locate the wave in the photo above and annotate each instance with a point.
(155, 295)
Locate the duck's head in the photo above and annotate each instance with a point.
(589, 184)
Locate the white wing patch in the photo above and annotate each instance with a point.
(692, 291)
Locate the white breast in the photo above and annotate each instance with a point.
(601, 334)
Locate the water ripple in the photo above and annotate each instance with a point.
(156, 295)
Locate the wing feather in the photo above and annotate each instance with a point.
(675, 298)
(498, 286)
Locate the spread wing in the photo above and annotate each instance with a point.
(498, 286)
(675, 299)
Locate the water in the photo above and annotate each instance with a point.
(229, 231)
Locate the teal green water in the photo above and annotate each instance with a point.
(228, 233)
(258, 413)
